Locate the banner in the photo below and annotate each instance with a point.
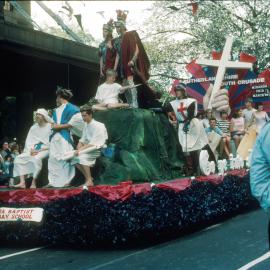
(241, 84)
(21, 214)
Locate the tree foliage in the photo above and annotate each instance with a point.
(174, 36)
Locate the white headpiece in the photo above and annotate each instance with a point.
(45, 114)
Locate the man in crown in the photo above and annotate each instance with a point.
(191, 133)
(106, 50)
(130, 57)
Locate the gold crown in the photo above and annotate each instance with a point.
(121, 15)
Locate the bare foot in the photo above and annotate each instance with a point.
(88, 183)
(33, 186)
(20, 185)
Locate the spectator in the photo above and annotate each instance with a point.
(260, 170)
(3, 177)
(224, 125)
(260, 117)
(208, 115)
(214, 135)
(237, 127)
(200, 116)
(213, 127)
(5, 150)
(14, 147)
(7, 170)
(248, 113)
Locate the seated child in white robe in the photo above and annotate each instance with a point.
(107, 93)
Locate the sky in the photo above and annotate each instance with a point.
(94, 13)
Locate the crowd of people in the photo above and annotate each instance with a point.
(216, 132)
(234, 127)
(8, 153)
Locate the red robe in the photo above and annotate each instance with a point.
(128, 47)
(108, 56)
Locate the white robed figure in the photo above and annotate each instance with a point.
(191, 133)
(195, 137)
(35, 150)
(61, 172)
(94, 134)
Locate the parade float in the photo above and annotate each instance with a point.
(140, 190)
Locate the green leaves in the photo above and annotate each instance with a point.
(173, 36)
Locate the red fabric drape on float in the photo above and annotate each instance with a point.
(36, 195)
(176, 185)
(122, 191)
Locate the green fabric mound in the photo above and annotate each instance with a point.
(146, 147)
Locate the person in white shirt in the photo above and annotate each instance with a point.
(248, 113)
(208, 116)
(107, 93)
(35, 150)
(94, 134)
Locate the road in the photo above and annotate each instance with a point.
(229, 245)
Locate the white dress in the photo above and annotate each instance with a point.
(248, 116)
(94, 133)
(60, 172)
(260, 119)
(25, 163)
